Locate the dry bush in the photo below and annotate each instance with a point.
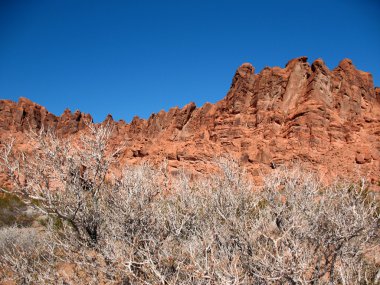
(313, 234)
(64, 179)
(126, 229)
(24, 256)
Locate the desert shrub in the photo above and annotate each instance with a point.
(14, 212)
(314, 234)
(140, 226)
(24, 256)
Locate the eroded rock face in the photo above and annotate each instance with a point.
(26, 115)
(327, 119)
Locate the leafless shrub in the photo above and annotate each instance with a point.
(126, 229)
(25, 252)
(311, 234)
(64, 179)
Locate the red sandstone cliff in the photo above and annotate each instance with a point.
(327, 119)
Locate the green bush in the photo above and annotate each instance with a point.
(13, 211)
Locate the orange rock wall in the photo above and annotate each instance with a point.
(327, 119)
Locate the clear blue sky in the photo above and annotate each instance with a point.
(137, 57)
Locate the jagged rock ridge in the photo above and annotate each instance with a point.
(327, 119)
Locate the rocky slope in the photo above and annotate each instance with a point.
(327, 119)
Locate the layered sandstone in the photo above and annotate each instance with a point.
(328, 120)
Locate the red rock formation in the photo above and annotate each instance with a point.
(25, 115)
(327, 119)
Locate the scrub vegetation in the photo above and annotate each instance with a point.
(142, 226)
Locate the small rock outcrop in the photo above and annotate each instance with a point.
(25, 115)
